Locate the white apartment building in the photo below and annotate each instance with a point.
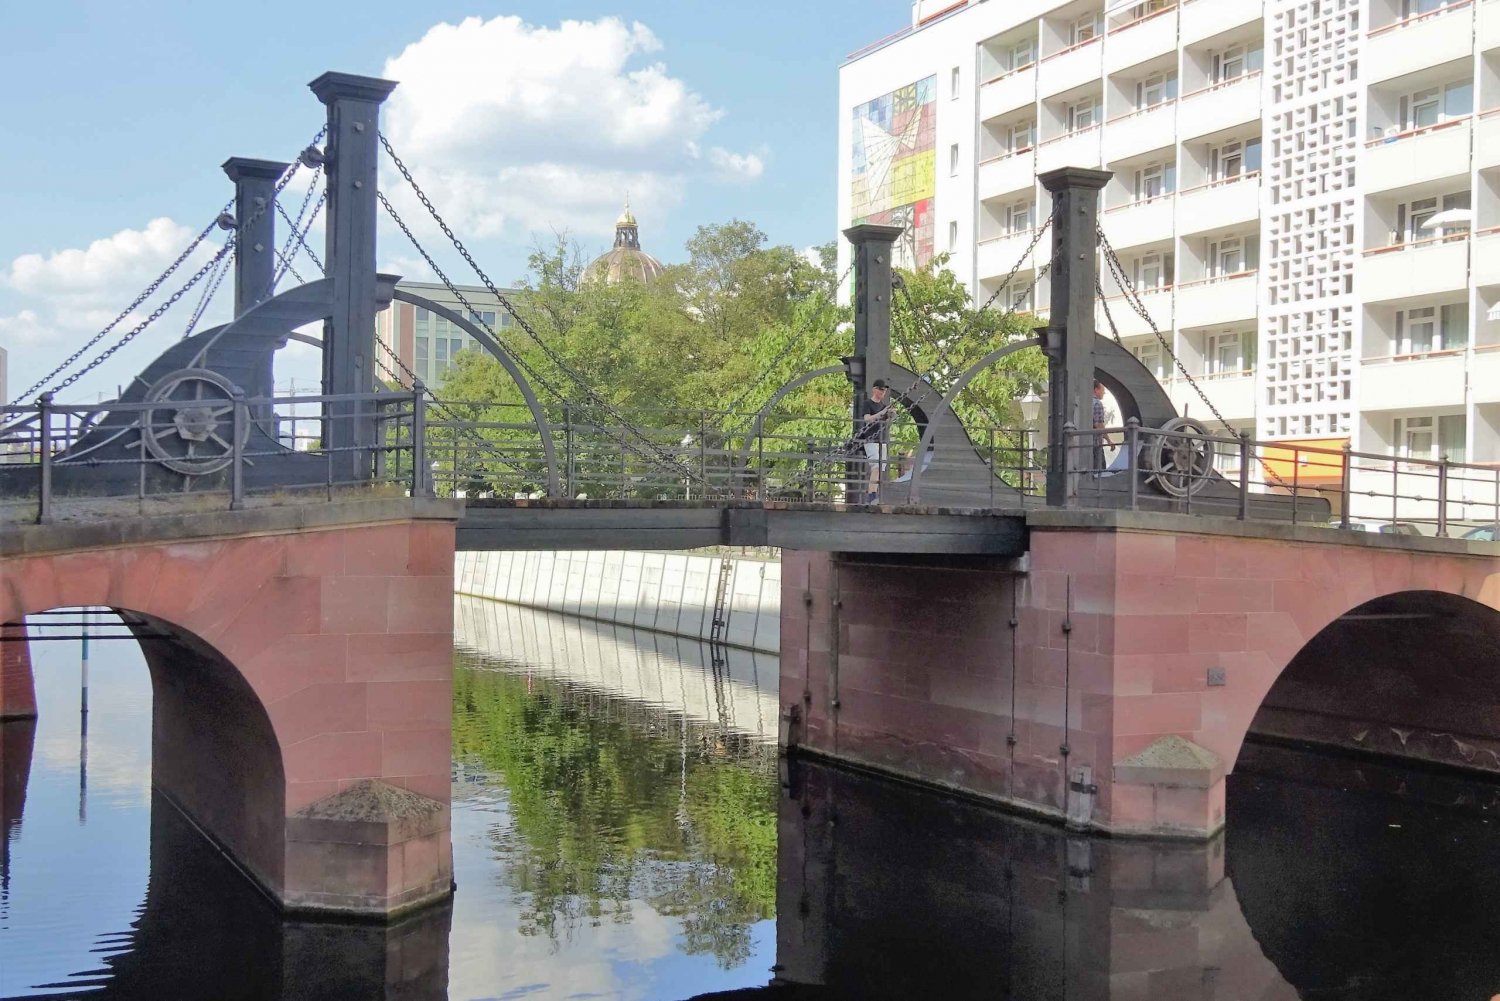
(1307, 192)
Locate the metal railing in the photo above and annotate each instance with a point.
(1146, 468)
(86, 461)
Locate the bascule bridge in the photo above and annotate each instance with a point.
(1079, 621)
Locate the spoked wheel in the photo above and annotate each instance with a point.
(189, 429)
(1179, 467)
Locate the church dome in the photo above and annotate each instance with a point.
(626, 259)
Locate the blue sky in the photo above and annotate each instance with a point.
(116, 117)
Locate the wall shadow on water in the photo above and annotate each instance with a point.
(887, 891)
(204, 931)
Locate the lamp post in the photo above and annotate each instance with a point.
(1031, 410)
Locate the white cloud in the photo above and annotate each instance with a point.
(512, 125)
(129, 258)
(55, 301)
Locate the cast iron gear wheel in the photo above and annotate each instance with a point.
(190, 428)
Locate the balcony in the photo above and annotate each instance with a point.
(1220, 204)
(1487, 137)
(1068, 68)
(1134, 223)
(1139, 40)
(1205, 20)
(1072, 149)
(1418, 155)
(1158, 304)
(1233, 393)
(1422, 267)
(1486, 260)
(1006, 172)
(1217, 301)
(1417, 43)
(1401, 382)
(996, 256)
(1003, 94)
(1140, 131)
(1220, 106)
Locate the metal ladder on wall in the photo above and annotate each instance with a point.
(720, 624)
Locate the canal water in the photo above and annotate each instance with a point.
(621, 829)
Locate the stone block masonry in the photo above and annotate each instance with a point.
(302, 702)
(1111, 679)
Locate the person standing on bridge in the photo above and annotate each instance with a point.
(875, 413)
(1100, 422)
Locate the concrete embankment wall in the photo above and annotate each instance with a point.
(668, 592)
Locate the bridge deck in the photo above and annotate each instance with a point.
(561, 524)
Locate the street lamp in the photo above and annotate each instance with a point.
(1031, 411)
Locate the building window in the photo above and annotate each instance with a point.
(1232, 255)
(1235, 62)
(1085, 29)
(421, 365)
(1234, 159)
(1422, 109)
(1022, 54)
(1424, 329)
(1431, 438)
(1229, 353)
(1020, 300)
(1155, 180)
(953, 160)
(953, 84)
(1154, 271)
(1156, 89)
(1416, 8)
(1083, 115)
(1022, 136)
(1412, 218)
(1140, 10)
(1019, 218)
(1151, 355)
(952, 236)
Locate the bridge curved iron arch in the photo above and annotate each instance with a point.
(919, 384)
(1138, 393)
(486, 341)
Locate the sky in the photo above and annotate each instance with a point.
(521, 117)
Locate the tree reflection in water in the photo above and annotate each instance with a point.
(614, 801)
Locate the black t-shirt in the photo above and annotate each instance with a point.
(873, 430)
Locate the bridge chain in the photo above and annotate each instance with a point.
(155, 285)
(1133, 299)
(211, 289)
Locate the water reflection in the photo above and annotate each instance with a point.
(622, 829)
(1338, 879)
(625, 788)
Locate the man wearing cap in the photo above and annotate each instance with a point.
(876, 415)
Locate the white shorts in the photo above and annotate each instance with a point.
(877, 451)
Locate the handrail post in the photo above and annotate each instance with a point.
(1132, 443)
(1069, 441)
(1346, 492)
(703, 452)
(420, 487)
(1244, 437)
(44, 442)
(237, 451)
(1442, 525)
(1296, 480)
(569, 465)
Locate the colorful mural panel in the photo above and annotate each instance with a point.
(895, 167)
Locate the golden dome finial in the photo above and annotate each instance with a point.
(626, 218)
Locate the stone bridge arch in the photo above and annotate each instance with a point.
(1189, 642)
(301, 685)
